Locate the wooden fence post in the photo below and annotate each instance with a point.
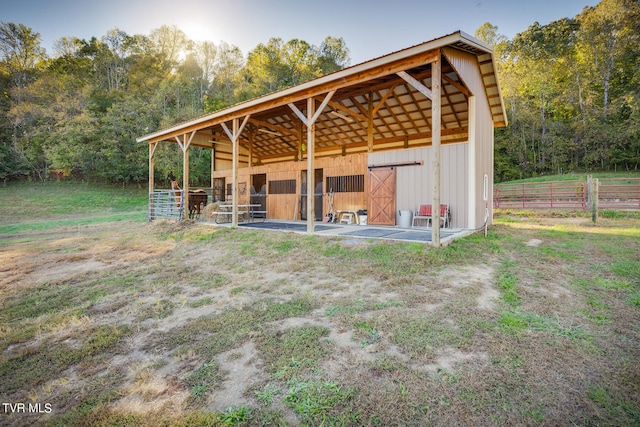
(593, 190)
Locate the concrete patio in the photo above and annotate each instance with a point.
(417, 234)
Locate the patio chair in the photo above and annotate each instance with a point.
(445, 216)
(424, 213)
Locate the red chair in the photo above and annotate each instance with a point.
(425, 213)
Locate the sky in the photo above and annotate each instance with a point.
(370, 28)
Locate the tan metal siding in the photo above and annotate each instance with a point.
(467, 67)
(484, 165)
(414, 183)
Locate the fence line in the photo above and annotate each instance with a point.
(619, 193)
(613, 193)
(541, 195)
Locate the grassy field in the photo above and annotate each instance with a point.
(109, 320)
(28, 207)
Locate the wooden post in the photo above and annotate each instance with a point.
(184, 145)
(309, 121)
(434, 95)
(185, 180)
(234, 136)
(300, 142)
(594, 200)
(311, 142)
(234, 175)
(436, 69)
(251, 148)
(152, 184)
(213, 167)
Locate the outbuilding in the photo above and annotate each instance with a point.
(412, 127)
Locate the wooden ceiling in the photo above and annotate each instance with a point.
(398, 112)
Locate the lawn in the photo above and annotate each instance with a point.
(109, 320)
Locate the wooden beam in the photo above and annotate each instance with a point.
(152, 149)
(472, 156)
(370, 123)
(184, 144)
(235, 133)
(299, 114)
(327, 98)
(456, 84)
(384, 99)
(310, 120)
(416, 84)
(278, 128)
(300, 154)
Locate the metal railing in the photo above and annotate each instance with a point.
(167, 204)
(541, 195)
(619, 193)
(612, 193)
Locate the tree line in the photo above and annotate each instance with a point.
(571, 90)
(78, 112)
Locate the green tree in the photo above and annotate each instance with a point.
(608, 43)
(266, 71)
(334, 55)
(22, 60)
(227, 73)
(21, 53)
(169, 42)
(80, 111)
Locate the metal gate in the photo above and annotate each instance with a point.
(166, 204)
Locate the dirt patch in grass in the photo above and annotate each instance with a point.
(135, 323)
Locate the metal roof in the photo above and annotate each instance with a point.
(400, 111)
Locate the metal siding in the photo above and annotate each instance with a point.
(466, 65)
(414, 183)
(484, 165)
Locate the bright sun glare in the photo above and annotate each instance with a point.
(200, 32)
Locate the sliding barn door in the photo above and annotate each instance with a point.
(381, 209)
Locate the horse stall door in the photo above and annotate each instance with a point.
(258, 194)
(219, 190)
(381, 204)
(318, 194)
